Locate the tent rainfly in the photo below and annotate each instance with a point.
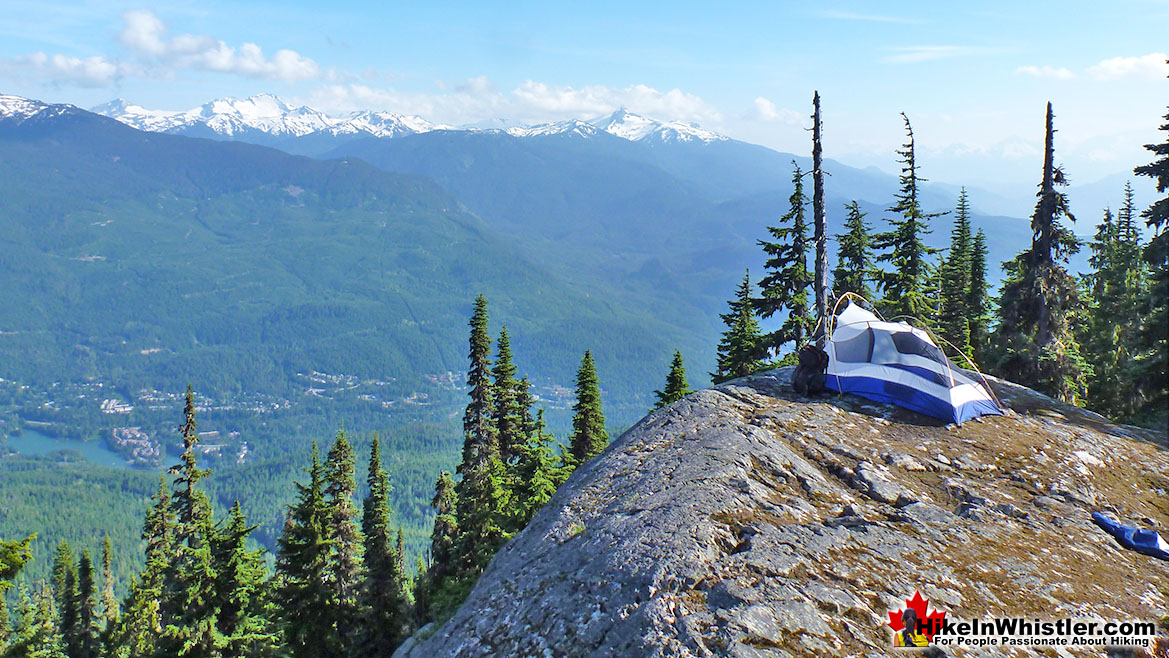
(897, 363)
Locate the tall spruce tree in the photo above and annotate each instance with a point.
(109, 602)
(977, 304)
(385, 610)
(86, 640)
(138, 631)
(302, 567)
(508, 413)
(905, 287)
(1039, 299)
(241, 592)
(344, 560)
(480, 442)
(64, 581)
(954, 315)
(429, 599)
(589, 436)
(676, 387)
(742, 349)
(481, 492)
(854, 256)
(787, 282)
(188, 604)
(1152, 358)
(70, 614)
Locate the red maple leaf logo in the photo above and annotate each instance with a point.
(931, 621)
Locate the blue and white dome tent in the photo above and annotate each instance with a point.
(897, 363)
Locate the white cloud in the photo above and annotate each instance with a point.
(914, 54)
(872, 18)
(1055, 73)
(1152, 66)
(146, 34)
(765, 110)
(598, 99)
(64, 70)
(477, 99)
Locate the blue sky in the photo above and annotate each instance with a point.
(973, 77)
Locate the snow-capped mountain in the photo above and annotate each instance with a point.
(569, 127)
(626, 125)
(384, 124)
(636, 128)
(270, 117)
(231, 118)
(22, 109)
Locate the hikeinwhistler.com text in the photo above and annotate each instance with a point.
(1021, 632)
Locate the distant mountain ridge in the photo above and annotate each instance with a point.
(268, 120)
(231, 118)
(263, 115)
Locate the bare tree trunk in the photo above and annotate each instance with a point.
(1043, 228)
(821, 227)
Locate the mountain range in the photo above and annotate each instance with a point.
(269, 120)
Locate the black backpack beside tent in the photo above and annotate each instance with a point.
(808, 379)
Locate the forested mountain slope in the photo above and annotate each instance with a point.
(296, 295)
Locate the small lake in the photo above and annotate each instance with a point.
(31, 442)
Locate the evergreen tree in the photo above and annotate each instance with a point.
(1040, 300)
(70, 613)
(977, 308)
(1152, 358)
(433, 589)
(481, 492)
(786, 284)
(302, 571)
(854, 264)
(109, 602)
(13, 556)
(741, 350)
(137, 633)
(189, 612)
(344, 560)
(905, 287)
(954, 315)
(86, 641)
(64, 580)
(538, 474)
(508, 414)
(588, 421)
(446, 527)
(404, 584)
(241, 591)
(384, 608)
(480, 442)
(521, 468)
(676, 387)
(37, 633)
